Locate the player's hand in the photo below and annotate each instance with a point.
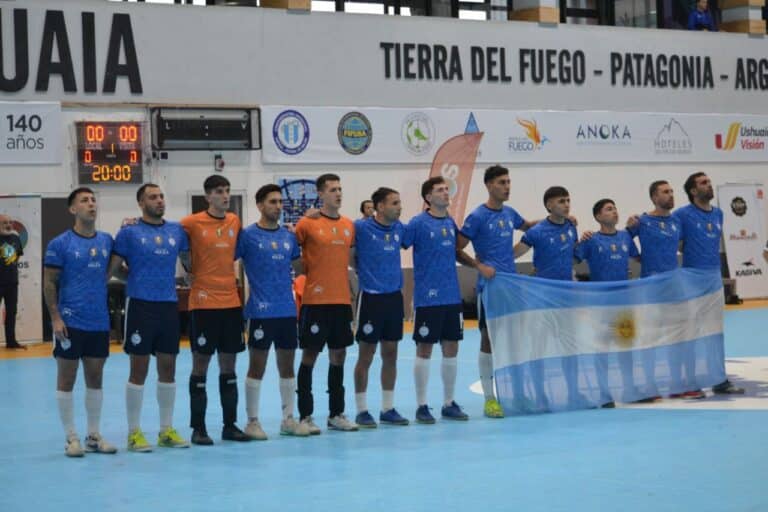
(60, 329)
(586, 236)
(573, 220)
(129, 221)
(486, 271)
(312, 213)
(189, 279)
(290, 227)
(633, 220)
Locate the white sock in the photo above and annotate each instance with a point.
(252, 389)
(387, 399)
(134, 395)
(448, 371)
(166, 397)
(93, 401)
(421, 378)
(287, 396)
(361, 402)
(485, 363)
(66, 411)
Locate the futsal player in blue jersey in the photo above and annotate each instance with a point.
(150, 248)
(658, 231)
(702, 230)
(75, 289)
(436, 297)
(267, 251)
(490, 228)
(376, 257)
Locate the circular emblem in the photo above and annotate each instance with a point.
(201, 341)
(159, 240)
(624, 329)
(104, 253)
(136, 338)
(93, 252)
(290, 132)
(739, 206)
(417, 133)
(355, 133)
(64, 343)
(423, 331)
(368, 328)
(314, 329)
(258, 334)
(231, 233)
(172, 241)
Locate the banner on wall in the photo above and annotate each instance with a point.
(744, 235)
(30, 132)
(25, 214)
(397, 135)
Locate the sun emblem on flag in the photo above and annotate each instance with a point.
(624, 329)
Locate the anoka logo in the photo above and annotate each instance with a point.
(603, 133)
(749, 268)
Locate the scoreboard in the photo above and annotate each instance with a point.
(109, 152)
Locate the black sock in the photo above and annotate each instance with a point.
(304, 391)
(335, 390)
(198, 402)
(228, 394)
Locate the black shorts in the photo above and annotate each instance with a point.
(379, 317)
(321, 324)
(212, 330)
(438, 323)
(263, 332)
(82, 344)
(151, 327)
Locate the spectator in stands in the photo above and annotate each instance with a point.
(700, 18)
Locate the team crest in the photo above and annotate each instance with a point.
(314, 328)
(201, 341)
(386, 237)
(93, 252)
(136, 338)
(397, 237)
(562, 237)
(624, 248)
(709, 226)
(346, 232)
(218, 232)
(172, 241)
(286, 246)
(334, 230)
(501, 224)
(258, 334)
(613, 247)
(423, 331)
(231, 233)
(445, 232)
(368, 328)
(104, 253)
(662, 225)
(159, 240)
(274, 245)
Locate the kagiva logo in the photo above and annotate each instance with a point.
(749, 268)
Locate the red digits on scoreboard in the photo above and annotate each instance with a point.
(94, 133)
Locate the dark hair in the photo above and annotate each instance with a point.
(321, 181)
(691, 183)
(214, 181)
(599, 206)
(143, 188)
(380, 195)
(494, 172)
(264, 191)
(73, 195)
(362, 205)
(554, 192)
(655, 186)
(427, 186)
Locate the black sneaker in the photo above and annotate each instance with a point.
(727, 388)
(608, 405)
(232, 433)
(201, 437)
(14, 345)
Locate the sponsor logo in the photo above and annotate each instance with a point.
(418, 133)
(739, 136)
(748, 269)
(290, 132)
(598, 134)
(355, 133)
(743, 235)
(672, 139)
(739, 206)
(533, 140)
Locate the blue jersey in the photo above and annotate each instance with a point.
(491, 234)
(434, 260)
(267, 255)
(701, 233)
(553, 246)
(151, 250)
(608, 255)
(84, 263)
(377, 256)
(659, 237)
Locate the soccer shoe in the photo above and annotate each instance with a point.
(170, 438)
(94, 443)
(254, 431)
(311, 426)
(694, 395)
(201, 437)
(608, 405)
(423, 415)
(649, 400)
(727, 388)
(232, 433)
(493, 409)
(392, 417)
(73, 448)
(365, 420)
(14, 345)
(137, 442)
(341, 423)
(452, 411)
(290, 427)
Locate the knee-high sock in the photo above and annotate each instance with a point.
(252, 389)
(335, 390)
(228, 396)
(485, 364)
(306, 402)
(421, 378)
(93, 401)
(166, 398)
(134, 396)
(287, 390)
(66, 411)
(448, 370)
(198, 401)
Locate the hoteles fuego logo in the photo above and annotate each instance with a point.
(747, 137)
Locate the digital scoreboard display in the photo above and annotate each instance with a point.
(109, 152)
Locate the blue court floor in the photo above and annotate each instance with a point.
(676, 456)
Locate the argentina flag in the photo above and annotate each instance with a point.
(564, 345)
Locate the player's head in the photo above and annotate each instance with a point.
(269, 201)
(6, 224)
(386, 202)
(436, 192)
(662, 194)
(82, 204)
(557, 201)
(366, 208)
(606, 213)
(151, 200)
(329, 190)
(497, 182)
(216, 189)
(701, 5)
(699, 186)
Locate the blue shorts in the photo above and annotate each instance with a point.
(438, 323)
(380, 317)
(216, 329)
(283, 332)
(82, 344)
(321, 324)
(151, 327)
